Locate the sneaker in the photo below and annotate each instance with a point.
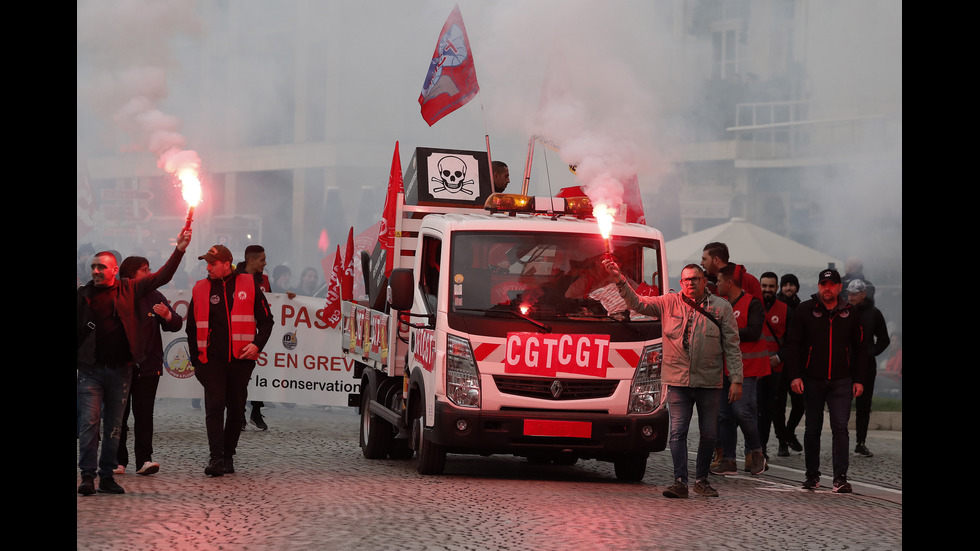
(148, 468)
(120, 469)
(861, 449)
(794, 444)
(748, 462)
(258, 420)
(725, 467)
(87, 487)
(811, 483)
(110, 486)
(677, 489)
(216, 467)
(842, 486)
(759, 463)
(783, 450)
(702, 488)
(229, 465)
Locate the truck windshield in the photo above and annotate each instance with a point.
(552, 276)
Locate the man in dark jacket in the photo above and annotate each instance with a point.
(876, 332)
(109, 344)
(229, 322)
(154, 313)
(824, 339)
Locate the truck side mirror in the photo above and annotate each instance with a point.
(401, 289)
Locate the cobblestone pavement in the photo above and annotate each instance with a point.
(304, 484)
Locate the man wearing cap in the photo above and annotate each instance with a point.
(827, 362)
(110, 343)
(876, 332)
(228, 324)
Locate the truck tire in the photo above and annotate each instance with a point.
(389, 394)
(376, 433)
(430, 458)
(631, 467)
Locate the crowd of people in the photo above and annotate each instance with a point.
(120, 315)
(740, 348)
(737, 348)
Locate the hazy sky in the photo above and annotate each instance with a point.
(611, 80)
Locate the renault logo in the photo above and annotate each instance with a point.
(556, 388)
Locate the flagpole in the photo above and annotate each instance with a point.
(487, 136)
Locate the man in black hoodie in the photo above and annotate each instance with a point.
(826, 361)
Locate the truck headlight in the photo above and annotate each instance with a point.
(462, 376)
(645, 390)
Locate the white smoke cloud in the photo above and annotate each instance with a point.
(127, 49)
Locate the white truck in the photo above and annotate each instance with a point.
(499, 332)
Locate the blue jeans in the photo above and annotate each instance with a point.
(743, 414)
(102, 391)
(681, 401)
(836, 394)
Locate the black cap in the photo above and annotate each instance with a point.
(829, 275)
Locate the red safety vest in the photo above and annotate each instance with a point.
(241, 318)
(776, 319)
(755, 354)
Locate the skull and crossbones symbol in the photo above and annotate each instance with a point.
(452, 176)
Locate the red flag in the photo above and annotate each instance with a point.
(347, 281)
(451, 80)
(386, 235)
(332, 313)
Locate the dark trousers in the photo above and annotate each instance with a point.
(782, 426)
(766, 391)
(862, 406)
(142, 396)
(225, 393)
(836, 394)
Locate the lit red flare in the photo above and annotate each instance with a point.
(604, 217)
(190, 188)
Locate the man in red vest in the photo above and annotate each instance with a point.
(743, 413)
(774, 334)
(228, 324)
(254, 264)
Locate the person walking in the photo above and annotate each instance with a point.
(109, 343)
(154, 313)
(254, 265)
(700, 340)
(744, 413)
(229, 322)
(774, 334)
(785, 427)
(826, 361)
(875, 330)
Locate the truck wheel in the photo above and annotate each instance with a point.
(631, 467)
(376, 433)
(429, 458)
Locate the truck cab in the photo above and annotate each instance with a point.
(505, 334)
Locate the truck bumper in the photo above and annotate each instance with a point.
(587, 435)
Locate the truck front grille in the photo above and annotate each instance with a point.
(556, 389)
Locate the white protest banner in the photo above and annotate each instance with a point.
(302, 362)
